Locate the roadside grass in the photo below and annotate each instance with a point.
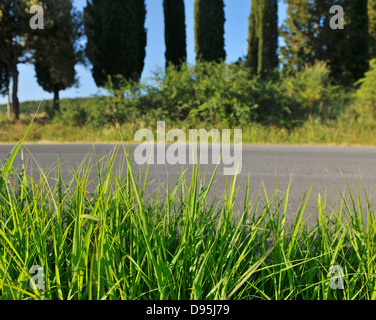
(343, 131)
(119, 242)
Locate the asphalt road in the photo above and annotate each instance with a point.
(326, 167)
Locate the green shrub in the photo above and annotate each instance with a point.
(311, 93)
(206, 92)
(5, 120)
(210, 94)
(72, 113)
(213, 93)
(365, 97)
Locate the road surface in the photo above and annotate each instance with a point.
(326, 167)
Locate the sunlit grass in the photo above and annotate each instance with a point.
(343, 131)
(119, 242)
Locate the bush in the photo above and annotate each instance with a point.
(213, 93)
(365, 97)
(311, 94)
(210, 94)
(229, 94)
(207, 92)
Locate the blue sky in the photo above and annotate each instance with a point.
(236, 33)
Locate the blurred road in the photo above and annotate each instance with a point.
(322, 165)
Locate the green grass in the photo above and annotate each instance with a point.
(119, 242)
(343, 132)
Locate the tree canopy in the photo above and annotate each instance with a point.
(56, 51)
(14, 40)
(175, 33)
(209, 30)
(116, 39)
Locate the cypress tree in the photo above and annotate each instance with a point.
(175, 33)
(253, 38)
(268, 37)
(209, 30)
(94, 19)
(358, 38)
(347, 50)
(262, 55)
(116, 39)
(141, 36)
(120, 46)
(372, 28)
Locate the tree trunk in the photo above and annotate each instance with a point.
(16, 106)
(56, 106)
(8, 104)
